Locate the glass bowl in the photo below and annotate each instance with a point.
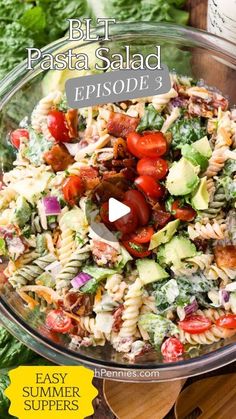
(187, 51)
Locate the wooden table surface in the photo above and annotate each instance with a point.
(198, 13)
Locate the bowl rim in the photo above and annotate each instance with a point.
(18, 77)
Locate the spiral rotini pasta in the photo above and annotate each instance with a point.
(41, 111)
(72, 267)
(192, 265)
(30, 272)
(89, 325)
(215, 230)
(132, 304)
(115, 286)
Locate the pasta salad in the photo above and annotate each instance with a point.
(161, 278)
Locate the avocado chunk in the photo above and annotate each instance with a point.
(194, 156)
(164, 235)
(200, 199)
(182, 178)
(150, 271)
(75, 220)
(203, 147)
(175, 251)
(22, 212)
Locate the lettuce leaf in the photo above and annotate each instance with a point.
(152, 119)
(186, 131)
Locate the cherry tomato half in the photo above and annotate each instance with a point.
(58, 321)
(136, 250)
(151, 144)
(150, 186)
(129, 222)
(17, 135)
(157, 168)
(132, 141)
(57, 126)
(172, 348)
(195, 324)
(104, 214)
(228, 321)
(142, 235)
(185, 213)
(73, 188)
(141, 205)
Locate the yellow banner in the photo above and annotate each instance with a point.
(51, 392)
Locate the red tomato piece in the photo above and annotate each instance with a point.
(195, 324)
(228, 321)
(185, 213)
(104, 214)
(17, 135)
(58, 321)
(172, 348)
(58, 127)
(73, 188)
(142, 235)
(141, 205)
(132, 141)
(129, 222)
(157, 168)
(150, 187)
(136, 250)
(152, 144)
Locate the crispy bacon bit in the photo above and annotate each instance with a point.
(121, 125)
(78, 303)
(117, 315)
(90, 176)
(58, 157)
(205, 103)
(225, 256)
(103, 253)
(161, 218)
(72, 122)
(113, 186)
(120, 149)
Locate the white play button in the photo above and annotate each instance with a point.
(116, 210)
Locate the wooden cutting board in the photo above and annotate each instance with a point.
(210, 398)
(141, 400)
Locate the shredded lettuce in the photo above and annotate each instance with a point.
(36, 147)
(152, 119)
(186, 131)
(158, 328)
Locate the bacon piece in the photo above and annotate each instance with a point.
(225, 256)
(78, 303)
(113, 186)
(117, 315)
(121, 125)
(120, 149)
(72, 122)
(58, 157)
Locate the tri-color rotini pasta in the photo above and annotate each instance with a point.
(161, 277)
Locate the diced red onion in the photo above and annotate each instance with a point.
(191, 308)
(80, 280)
(224, 296)
(51, 205)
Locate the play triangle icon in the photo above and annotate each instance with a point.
(116, 210)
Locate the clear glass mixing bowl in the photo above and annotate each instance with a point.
(188, 51)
